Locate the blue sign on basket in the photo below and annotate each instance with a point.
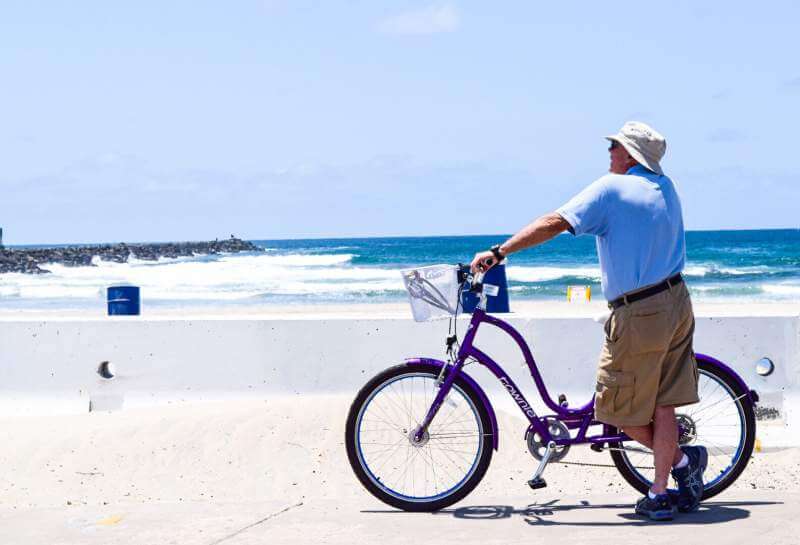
(123, 301)
(496, 276)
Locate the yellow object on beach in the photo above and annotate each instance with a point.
(574, 293)
(110, 521)
(758, 445)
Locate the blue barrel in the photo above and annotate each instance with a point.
(496, 276)
(123, 301)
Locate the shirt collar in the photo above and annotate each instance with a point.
(640, 170)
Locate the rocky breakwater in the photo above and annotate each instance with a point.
(34, 261)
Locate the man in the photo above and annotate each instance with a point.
(647, 365)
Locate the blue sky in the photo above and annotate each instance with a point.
(270, 119)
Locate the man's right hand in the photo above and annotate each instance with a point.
(482, 262)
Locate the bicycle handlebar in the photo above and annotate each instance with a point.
(473, 282)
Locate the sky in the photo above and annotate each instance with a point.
(190, 120)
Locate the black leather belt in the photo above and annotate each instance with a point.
(652, 290)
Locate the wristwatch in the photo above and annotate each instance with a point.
(496, 253)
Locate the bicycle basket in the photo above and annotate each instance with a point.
(432, 291)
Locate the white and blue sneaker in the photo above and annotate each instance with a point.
(690, 479)
(658, 508)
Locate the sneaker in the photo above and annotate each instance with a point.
(690, 479)
(660, 508)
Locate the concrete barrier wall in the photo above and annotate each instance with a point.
(49, 367)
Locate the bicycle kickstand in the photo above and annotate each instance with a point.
(537, 481)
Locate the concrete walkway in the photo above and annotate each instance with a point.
(761, 516)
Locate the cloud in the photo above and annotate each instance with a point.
(792, 84)
(431, 19)
(724, 135)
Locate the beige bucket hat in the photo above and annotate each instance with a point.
(643, 142)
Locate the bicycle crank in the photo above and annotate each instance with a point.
(537, 448)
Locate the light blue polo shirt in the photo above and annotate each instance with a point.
(638, 223)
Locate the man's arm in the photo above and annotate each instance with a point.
(537, 232)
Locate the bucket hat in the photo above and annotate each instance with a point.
(643, 143)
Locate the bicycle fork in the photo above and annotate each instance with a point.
(441, 395)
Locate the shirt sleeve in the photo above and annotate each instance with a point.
(587, 212)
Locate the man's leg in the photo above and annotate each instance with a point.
(662, 437)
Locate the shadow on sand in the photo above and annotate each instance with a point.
(547, 514)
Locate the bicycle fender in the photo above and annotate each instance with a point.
(481, 394)
(752, 394)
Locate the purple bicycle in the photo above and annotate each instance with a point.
(420, 435)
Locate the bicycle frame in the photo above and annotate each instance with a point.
(577, 418)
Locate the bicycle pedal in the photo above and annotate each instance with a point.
(537, 483)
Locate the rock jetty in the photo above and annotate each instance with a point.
(33, 261)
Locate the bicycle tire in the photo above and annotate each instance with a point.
(746, 443)
(373, 483)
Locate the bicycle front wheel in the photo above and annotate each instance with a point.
(723, 421)
(427, 475)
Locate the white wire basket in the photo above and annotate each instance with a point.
(432, 291)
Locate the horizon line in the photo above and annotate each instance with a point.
(356, 237)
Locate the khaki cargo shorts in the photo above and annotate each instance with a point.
(647, 359)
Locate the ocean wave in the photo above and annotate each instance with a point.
(295, 260)
(300, 274)
(710, 269)
(781, 289)
(542, 274)
(224, 277)
(9, 291)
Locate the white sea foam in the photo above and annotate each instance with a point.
(297, 260)
(243, 277)
(227, 277)
(541, 274)
(782, 289)
(706, 269)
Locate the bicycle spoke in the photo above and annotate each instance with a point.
(718, 421)
(447, 452)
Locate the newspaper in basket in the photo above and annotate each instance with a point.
(432, 291)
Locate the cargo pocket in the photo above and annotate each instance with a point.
(650, 331)
(614, 392)
(610, 328)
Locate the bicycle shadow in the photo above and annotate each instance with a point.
(540, 514)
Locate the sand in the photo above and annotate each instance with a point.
(212, 471)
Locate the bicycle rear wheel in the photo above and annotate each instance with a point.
(430, 474)
(723, 421)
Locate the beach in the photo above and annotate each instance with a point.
(275, 471)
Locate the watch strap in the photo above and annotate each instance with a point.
(496, 253)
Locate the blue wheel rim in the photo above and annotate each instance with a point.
(398, 494)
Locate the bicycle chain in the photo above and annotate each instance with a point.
(586, 464)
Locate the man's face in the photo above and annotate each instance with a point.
(621, 160)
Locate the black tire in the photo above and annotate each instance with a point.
(484, 455)
(746, 414)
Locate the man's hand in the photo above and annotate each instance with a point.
(482, 262)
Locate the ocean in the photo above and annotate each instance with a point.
(736, 266)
